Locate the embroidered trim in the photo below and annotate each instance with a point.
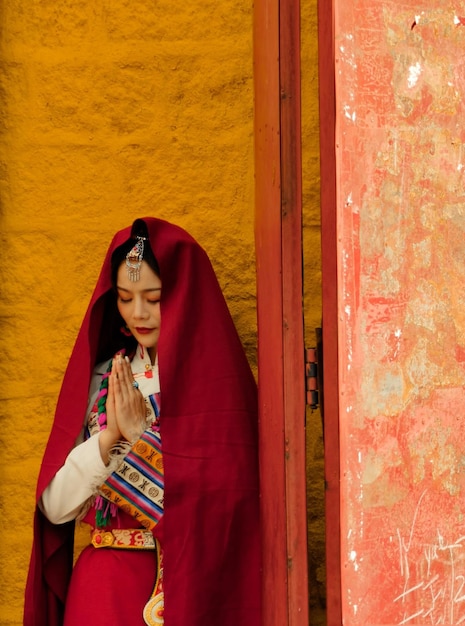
(147, 505)
(137, 486)
(116, 457)
(153, 613)
(127, 538)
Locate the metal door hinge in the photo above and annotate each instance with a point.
(314, 373)
(311, 377)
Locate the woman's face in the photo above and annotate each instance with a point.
(139, 305)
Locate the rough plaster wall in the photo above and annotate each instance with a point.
(110, 111)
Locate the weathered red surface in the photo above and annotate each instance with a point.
(278, 229)
(400, 93)
(329, 265)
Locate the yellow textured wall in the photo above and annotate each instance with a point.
(110, 111)
(312, 301)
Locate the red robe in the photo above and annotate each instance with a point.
(211, 538)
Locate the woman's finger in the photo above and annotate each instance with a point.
(127, 378)
(123, 384)
(130, 408)
(110, 408)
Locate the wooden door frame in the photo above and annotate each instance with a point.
(329, 266)
(281, 367)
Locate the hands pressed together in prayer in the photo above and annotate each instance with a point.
(125, 407)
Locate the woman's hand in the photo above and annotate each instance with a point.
(128, 402)
(125, 408)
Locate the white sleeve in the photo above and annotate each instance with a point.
(75, 482)
(81, 474)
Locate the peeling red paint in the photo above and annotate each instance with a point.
(460, 354)
(400, 158)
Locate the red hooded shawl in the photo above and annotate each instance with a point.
(209, 434)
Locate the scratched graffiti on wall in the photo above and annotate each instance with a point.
(431, 571)
(400, 84)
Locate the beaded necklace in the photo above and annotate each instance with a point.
(104, 510)
(102, 398)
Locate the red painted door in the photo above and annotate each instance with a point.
(393, 154)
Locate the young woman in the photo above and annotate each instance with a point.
(154, 445)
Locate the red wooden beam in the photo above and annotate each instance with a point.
(330, 321)
(293, 327)
(278, 229)
(269, 311)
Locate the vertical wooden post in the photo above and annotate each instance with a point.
(293, 337)
(280, 321)
(269, 311)
(330, 320)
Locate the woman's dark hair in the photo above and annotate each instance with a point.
(112, 339)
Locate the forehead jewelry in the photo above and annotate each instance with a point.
(134, 259)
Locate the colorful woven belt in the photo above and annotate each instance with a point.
(126, 538)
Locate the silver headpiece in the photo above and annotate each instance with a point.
(134, 259)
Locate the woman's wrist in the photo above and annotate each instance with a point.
(107, 440)
(133, 434)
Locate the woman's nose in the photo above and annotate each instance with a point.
(140, 310)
